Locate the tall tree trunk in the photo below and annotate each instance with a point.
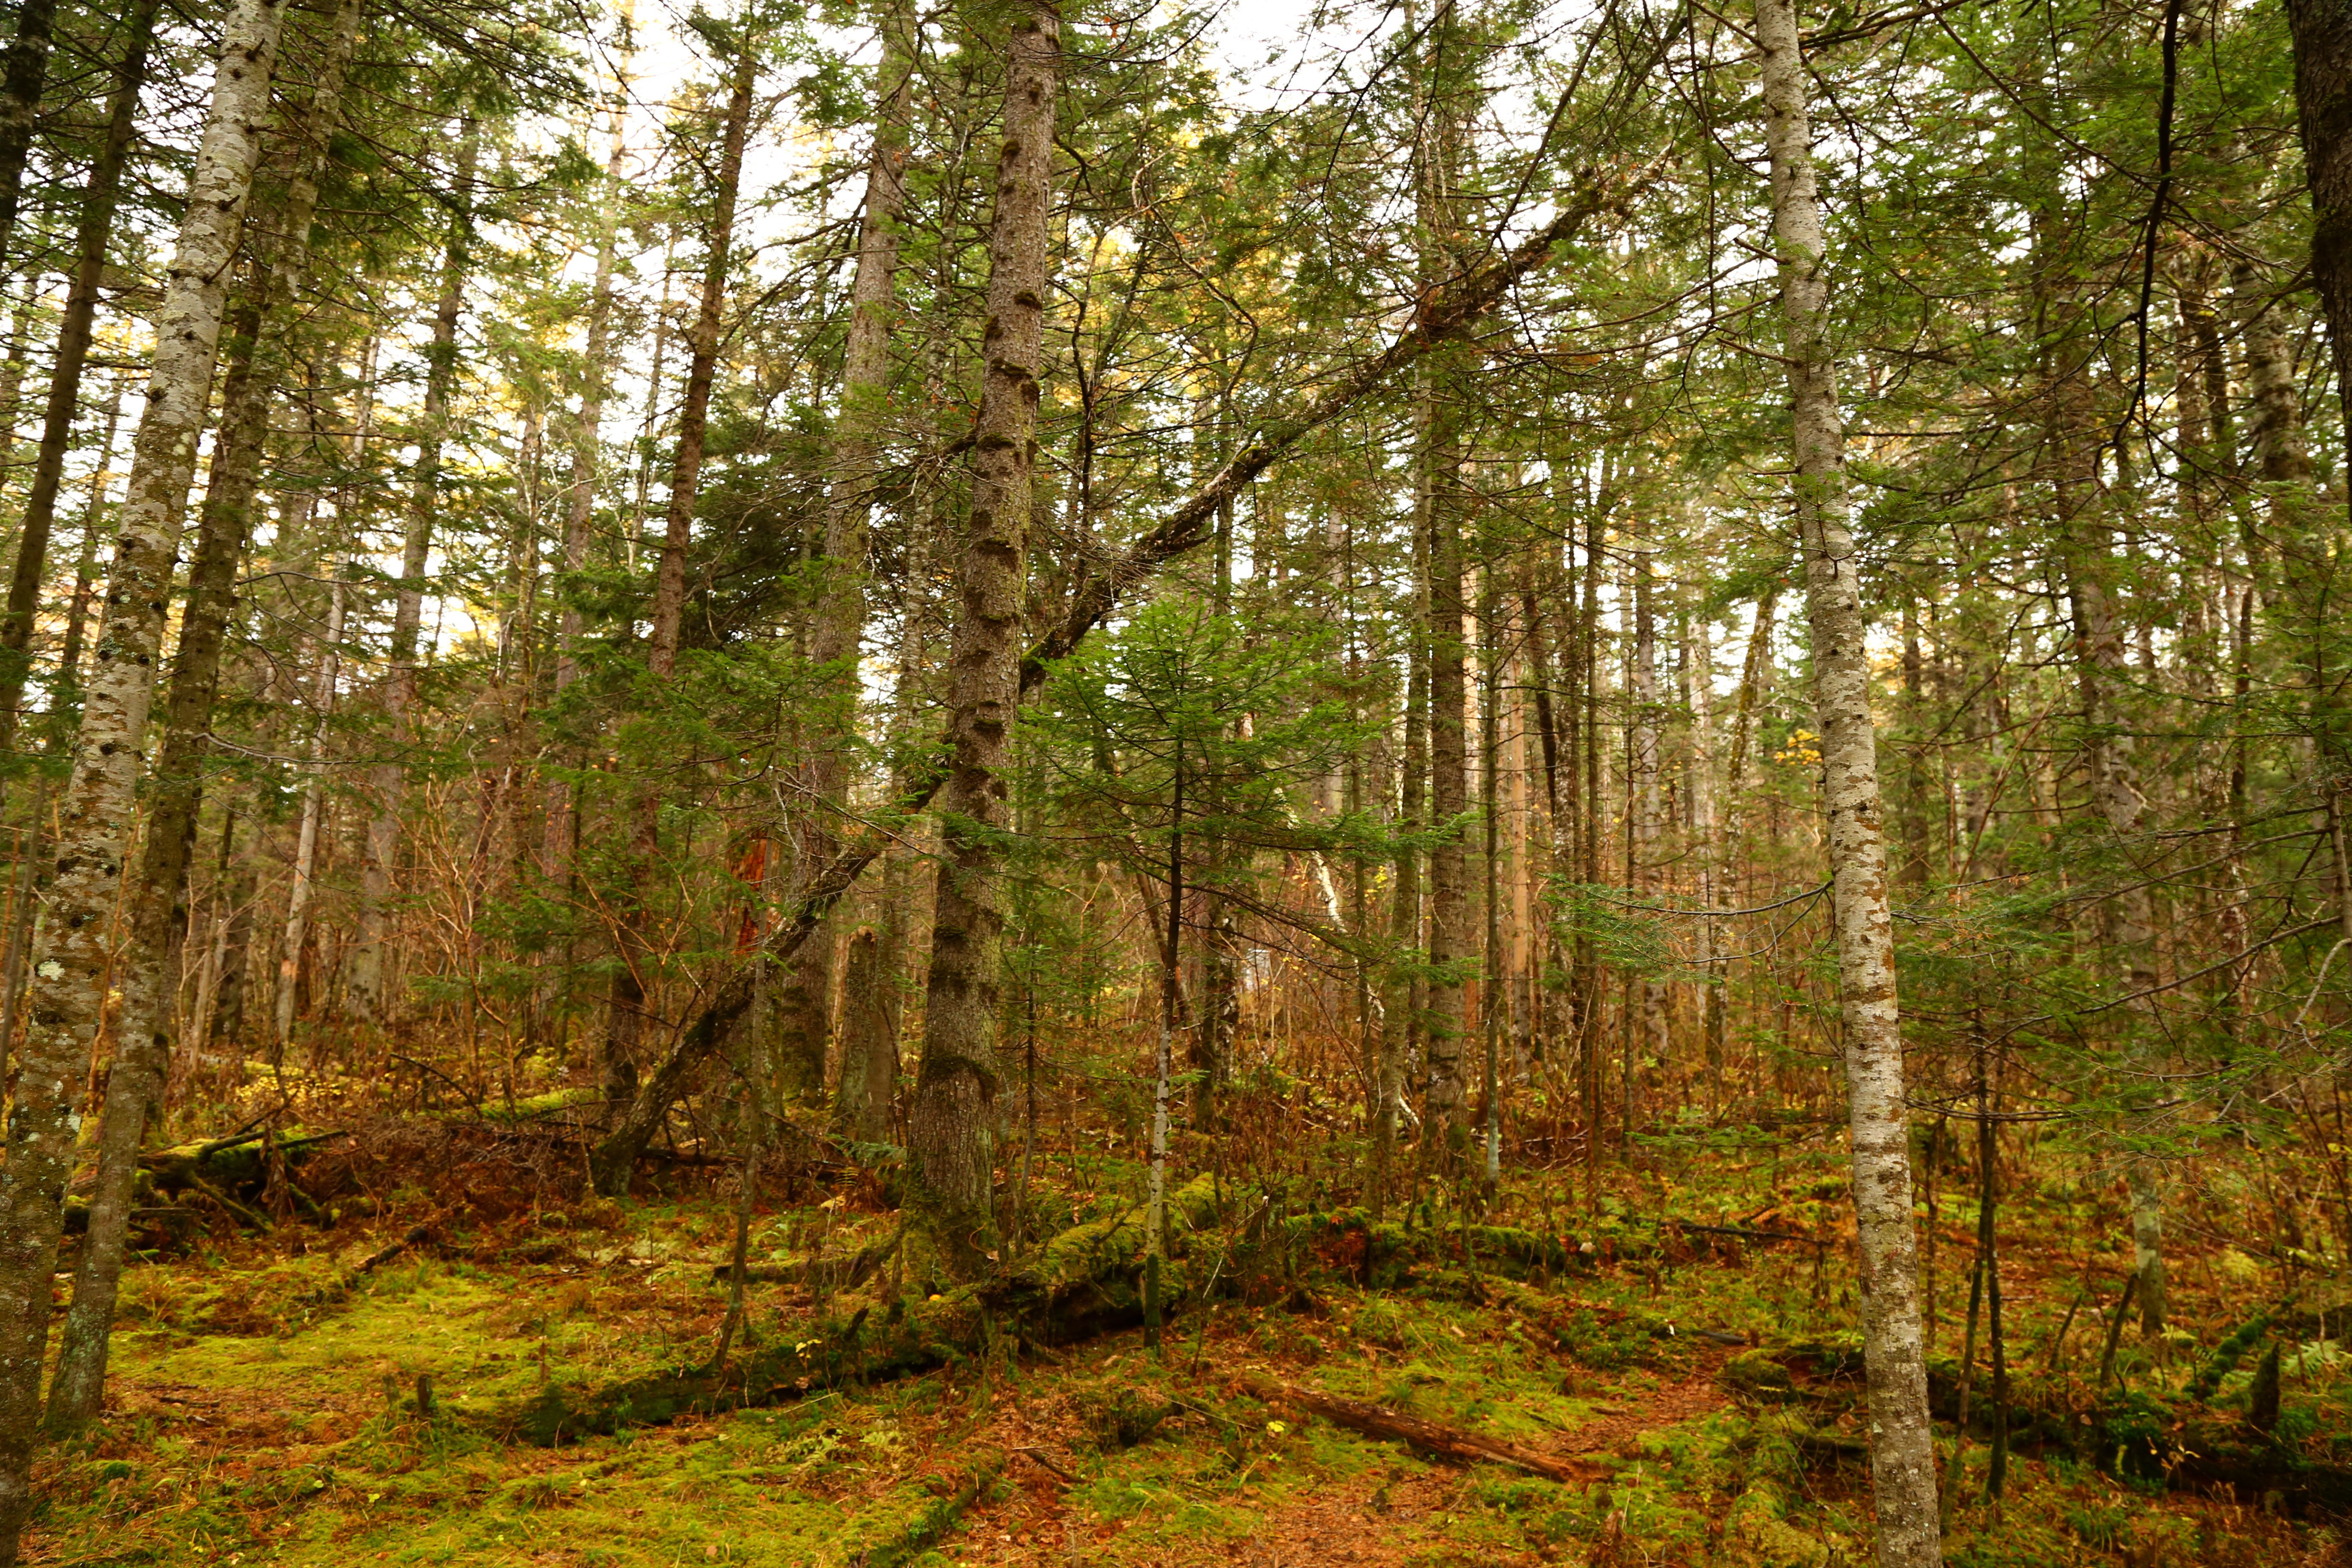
(1901, 1452)
(32, 860)
(1492, 1001)
(1592, 1041)
(956, 1081)
(1914, 873)
(869, 1042)
(561, 841)
(304, 886)
(1401, 980)
(388, 780)
(68, 991)
(1439, 221)
(1733, 838)
(145, 967)
(100, 199)
(1705, 846)
(615, 1160)
(2322, 31)
(24, 72)
(1645, 803)
(1450, 942)
(839, 625)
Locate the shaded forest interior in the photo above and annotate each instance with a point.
(1047, 782)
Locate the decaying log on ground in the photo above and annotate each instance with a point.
(839, 1271)
(933, 1524)
(1438, 1441)
(1084, 1282)
(2176, 1442)
(1377, 1250)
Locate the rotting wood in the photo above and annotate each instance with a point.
(935, 1522)
(1451, 1443)
(1085, 1282)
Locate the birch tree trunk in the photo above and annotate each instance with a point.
(68, 991)
(956, 1082)
(145, 969)
(96, 225)
(1902, 1453)
(32, 856)
(388, 780)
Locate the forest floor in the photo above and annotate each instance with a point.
(265, 1404)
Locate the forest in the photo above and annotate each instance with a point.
(1146, 781)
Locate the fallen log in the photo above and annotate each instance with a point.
(1510, 1251)
(933, 1524)
(1559, 1314)
(227, 1165)
(1086, 1281)
(1455, 1444)
(836, 1271)
(2172, 1443)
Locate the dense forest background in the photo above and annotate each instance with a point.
(1600, 629)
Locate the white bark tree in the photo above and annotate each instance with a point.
(67, 993)
(1902, 1450)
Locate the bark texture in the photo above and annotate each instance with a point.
(24, 72)
(956, 1082)
(1443, 507)
(146, 968)
(869, 1043)
(2322, 31)
(1901, 1452)
(68, 994)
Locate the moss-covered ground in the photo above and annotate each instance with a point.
(265, 1400)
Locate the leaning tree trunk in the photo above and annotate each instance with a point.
(389, 779)
(956, 1082)
(1100, 586)
(69, 990)
(100, 199)
(1902, 1451)
(145, 969)
(615, 1160)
